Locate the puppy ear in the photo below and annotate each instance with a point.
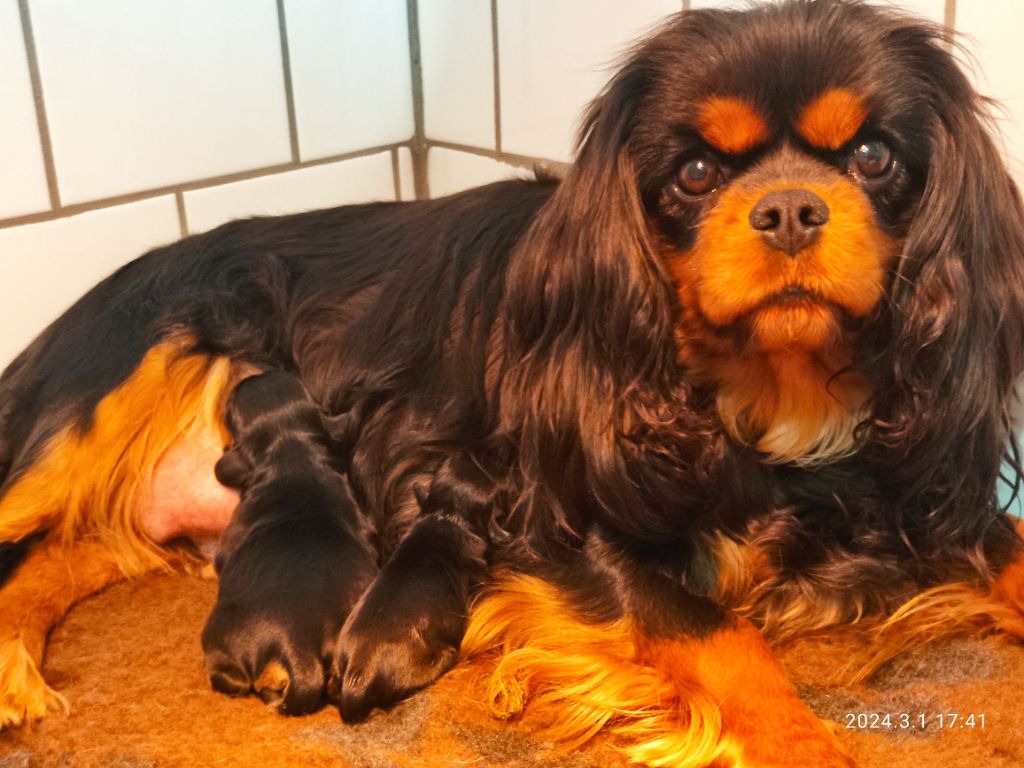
(957, 346)
(233, 468)
(590, 320)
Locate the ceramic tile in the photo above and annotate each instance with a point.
(47, 266)
(23, 187)
(554, 58)
(458, 71)
(321, 186)
(145, 94)
(452, 171)
(350, 74)
(991, 30)
(407, 181)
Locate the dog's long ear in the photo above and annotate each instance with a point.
(589, 326)
(957, 342)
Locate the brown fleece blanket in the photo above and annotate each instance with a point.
(130, 665)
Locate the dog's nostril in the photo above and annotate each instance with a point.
(789, 219)
(813, 216)
(766, 220)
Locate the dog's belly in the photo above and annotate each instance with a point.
(184, 498)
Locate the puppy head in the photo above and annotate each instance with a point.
(260, 411)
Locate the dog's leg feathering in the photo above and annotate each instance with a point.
(50, 580)
(676, 699)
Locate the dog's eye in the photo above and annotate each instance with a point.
(698, 176)
(871, 159)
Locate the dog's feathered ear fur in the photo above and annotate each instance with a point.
(957, 347)
(590, 328)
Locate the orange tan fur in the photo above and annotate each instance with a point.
(731, 125)
(748, 584)
(666, 702)
(939, 613)
(778, 393)
(762, 715)
(50, 580)
(94, 483)
(951, 610)
(832, 119)
(88, 491)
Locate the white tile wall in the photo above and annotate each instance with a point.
(992, 31)
(152, 92)
(21, 156)
(407, 181)
(934, 10)
(321, 186)
(351, 74)
(554, 57)
(47, 266)
(458, 71)
(989, 31)
(452, 171)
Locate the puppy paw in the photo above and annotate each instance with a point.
(371, 672)
(284, 593)
(290, 682)
(24, 695)
(392, 647)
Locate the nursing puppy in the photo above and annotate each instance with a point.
(295, 557)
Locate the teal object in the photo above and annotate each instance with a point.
(1004, 491)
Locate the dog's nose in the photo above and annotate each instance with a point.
(789, 219)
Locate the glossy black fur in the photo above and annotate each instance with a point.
(295, 557)
(499, 371)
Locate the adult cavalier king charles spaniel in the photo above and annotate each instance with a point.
(744, 372)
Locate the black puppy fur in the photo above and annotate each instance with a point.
(295, 556)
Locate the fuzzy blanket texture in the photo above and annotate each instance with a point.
(129, 663)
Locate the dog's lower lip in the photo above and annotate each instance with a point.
(790, 294)
(795, 292)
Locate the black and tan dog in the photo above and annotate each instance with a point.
(745, 370)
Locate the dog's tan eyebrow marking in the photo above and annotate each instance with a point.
(833, 118)
(731, 124)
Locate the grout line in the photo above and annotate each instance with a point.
(289, 91)
(37, 96)
(497, 75)
(179, 198)
(396, 176)
(523, 161)
(686, 5)
(213, 181)
(418, 146)
(949, 18)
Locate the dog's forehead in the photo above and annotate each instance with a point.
(735, 123)
(745, 78)
(796, 86)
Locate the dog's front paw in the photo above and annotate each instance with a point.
(394, 645)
